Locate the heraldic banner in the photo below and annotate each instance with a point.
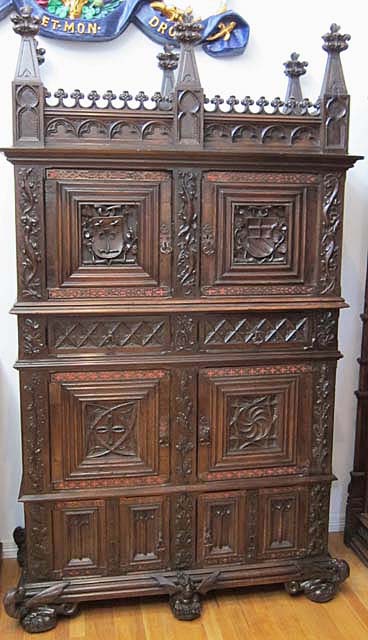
(223, 34)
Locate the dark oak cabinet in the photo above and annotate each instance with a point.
(178, 301)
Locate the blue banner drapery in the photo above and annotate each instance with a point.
(225, 34)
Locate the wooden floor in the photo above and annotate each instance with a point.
(245, 614)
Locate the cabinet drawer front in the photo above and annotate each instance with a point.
(108, 234)
(109, 428)
(254, 420)
(144, 533)
(266, 227)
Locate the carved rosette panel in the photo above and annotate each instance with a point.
(260, 235)
(323, 404)
(330, 247)
(71, 335)
(252, 422)
(184, 533)
(319, 501)
(38, 532)
(111, 429)
(35, 429)
(185, 384)
(187, 232)
(30, 233)
(109, 234)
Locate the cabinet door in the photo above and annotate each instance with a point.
(254, 421)
(144, 533)
(108, 233)
(266, 227)
(282, 523)
(220, 537)
(109, 428)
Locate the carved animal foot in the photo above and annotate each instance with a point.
(19, 535)
(185, 594)
(40, 612)
(319, 579)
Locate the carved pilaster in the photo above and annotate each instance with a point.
(185, 330)
(330, 243)
(334, 98)
(30, 233)
(323, 406)
(35, 428)
(184, 426)
(188, 196)
(28, 90)
(188, 94)
(184, 531)
(32, 336)
(319, 501)
(38, 534)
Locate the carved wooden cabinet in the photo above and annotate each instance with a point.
(178, 312)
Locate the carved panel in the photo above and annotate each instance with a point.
(93, 334)
(32, 336)
(323, 408)
(319, 502)
(30, 232)
(107, 235)
(35, 423)
(330, 243)
(257, 330)
(80, 538)
(266, 242)
(187, 231)
(28, 117)
(326, 329)
(185, 329)
(257, 134)
(336, 122)
(220, 534)
(38, 542)
(283, 520)
(253, 424)
(144, 525)
(260, 235)
(251, 520)
(183, 519)
(71, 128)
(112, 427)
(184, 431)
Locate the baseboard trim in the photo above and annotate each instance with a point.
(337, 523)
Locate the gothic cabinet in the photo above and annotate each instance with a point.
(179, 292)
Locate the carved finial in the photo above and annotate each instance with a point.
(187, 29)
(294, 68)
(167, 61)
(334, 43)
(26, 24)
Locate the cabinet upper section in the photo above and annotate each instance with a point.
(180, 115)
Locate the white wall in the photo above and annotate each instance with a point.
(129, 63)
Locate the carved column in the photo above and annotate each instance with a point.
(334, 98)
(188, 95)
(28, 90)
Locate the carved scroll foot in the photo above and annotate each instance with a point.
(40, 612)
(19, 536)
(319, 579)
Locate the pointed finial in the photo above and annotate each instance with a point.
(334, 43)
(168, 61)
(188, 34)
(294, 68)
